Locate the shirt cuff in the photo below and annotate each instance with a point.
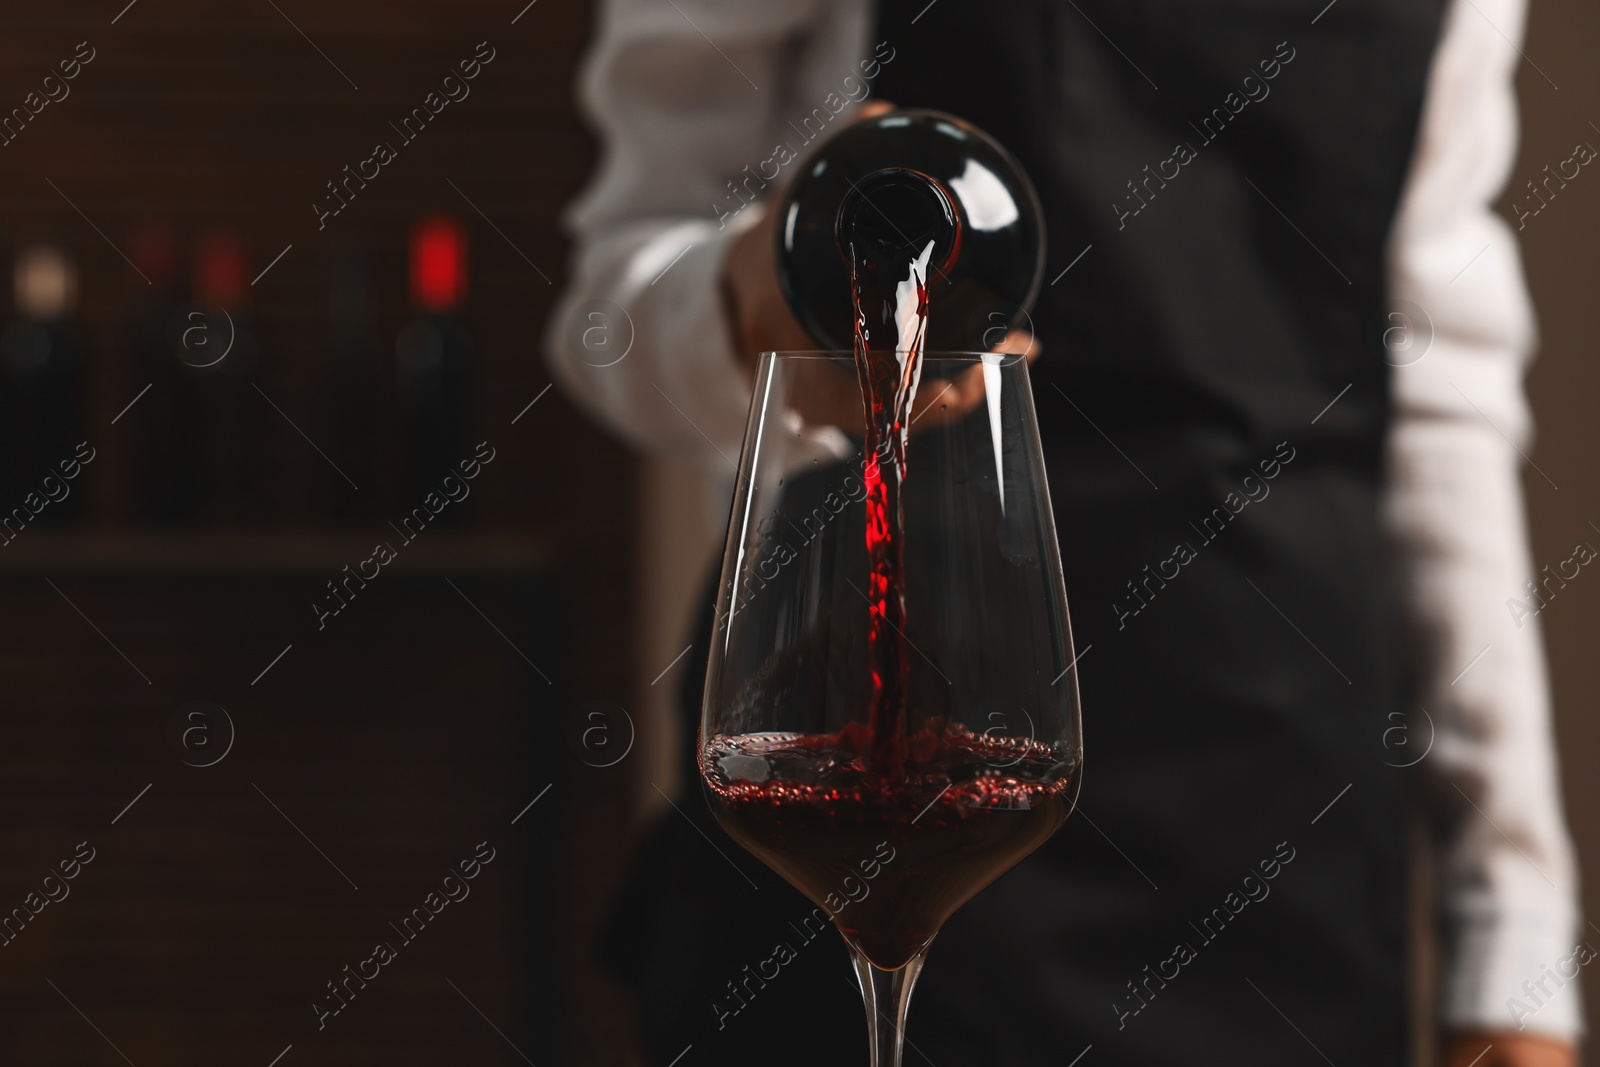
(1516, 970)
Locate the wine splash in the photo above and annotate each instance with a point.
(890, 291)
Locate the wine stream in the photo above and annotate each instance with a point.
(891, 296)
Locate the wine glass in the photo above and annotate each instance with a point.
(892, 763)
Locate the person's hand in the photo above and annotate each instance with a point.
(829, 396)
(1507, 1049)
(757, 310)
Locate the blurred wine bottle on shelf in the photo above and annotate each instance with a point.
(348, 419)
(164, 424)
(220, 353)
(435, 368)
(42, 359)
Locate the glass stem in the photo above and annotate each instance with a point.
(887, 995)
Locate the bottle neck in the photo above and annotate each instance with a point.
(890, 217)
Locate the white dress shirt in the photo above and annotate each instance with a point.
(685, 95)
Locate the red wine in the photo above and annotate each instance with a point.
(223, 355)
(168, 447)
(43, 367)
(890, 831)
(436, 365)
(349, 412)
(888, 287)
(890, 824)
(889, 864)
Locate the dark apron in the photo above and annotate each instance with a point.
(1240, 653)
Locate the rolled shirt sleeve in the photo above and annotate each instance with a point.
(690, 99)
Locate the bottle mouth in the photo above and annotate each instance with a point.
(892, 214)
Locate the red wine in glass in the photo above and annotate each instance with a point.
(899, 861)
(890, 717)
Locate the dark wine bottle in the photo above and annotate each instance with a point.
(347, 417)
(882, 189)
(164, 424)
(221, 353)
(42, 360)
(435, 366)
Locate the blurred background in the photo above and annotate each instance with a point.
(276, 740)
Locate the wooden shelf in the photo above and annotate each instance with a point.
(145, 553)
